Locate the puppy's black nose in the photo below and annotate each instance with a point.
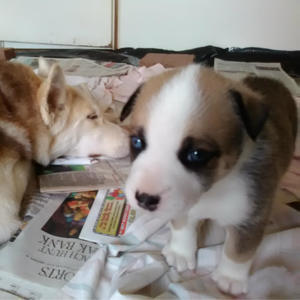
(147, 201)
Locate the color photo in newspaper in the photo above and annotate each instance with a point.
(113, 221)
(109, 218)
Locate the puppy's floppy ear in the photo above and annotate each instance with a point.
(52, 95)
(130, 104)
(251, 110)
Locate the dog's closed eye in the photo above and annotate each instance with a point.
(92, 116)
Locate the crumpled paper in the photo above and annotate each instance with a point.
(141, 272)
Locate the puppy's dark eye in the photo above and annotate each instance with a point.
(92, 116)
(198, 156)
(195, 158)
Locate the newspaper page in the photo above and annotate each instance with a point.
(101, 175)
(80, 66)
(48, 252)
(238, 70)
(70, 160)
(35, 203)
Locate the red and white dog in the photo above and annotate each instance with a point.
(42, 118)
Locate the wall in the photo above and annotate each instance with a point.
(60, 22)
(184, 24)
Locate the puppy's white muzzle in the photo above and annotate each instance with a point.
(161, 186)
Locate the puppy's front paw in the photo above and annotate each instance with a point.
(183, 259)
(230, 285)
(8, 226)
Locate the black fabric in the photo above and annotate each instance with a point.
(203, 54)
(95, 54)
(290, 60)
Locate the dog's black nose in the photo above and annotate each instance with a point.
(147, 201)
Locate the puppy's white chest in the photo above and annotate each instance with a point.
(226, 202)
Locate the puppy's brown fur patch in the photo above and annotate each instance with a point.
(146, 96)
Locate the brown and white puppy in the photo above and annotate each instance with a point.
(206, 147)
(41, 118)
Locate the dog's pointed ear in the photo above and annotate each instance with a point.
(127, 109)
(52, 95)
(252, 112)
(44, 67)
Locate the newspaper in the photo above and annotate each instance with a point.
(47, 253)
(238, 70)
(35, 202)
(80, 66)
(74, 178)
(50, 249)
(70, 160)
